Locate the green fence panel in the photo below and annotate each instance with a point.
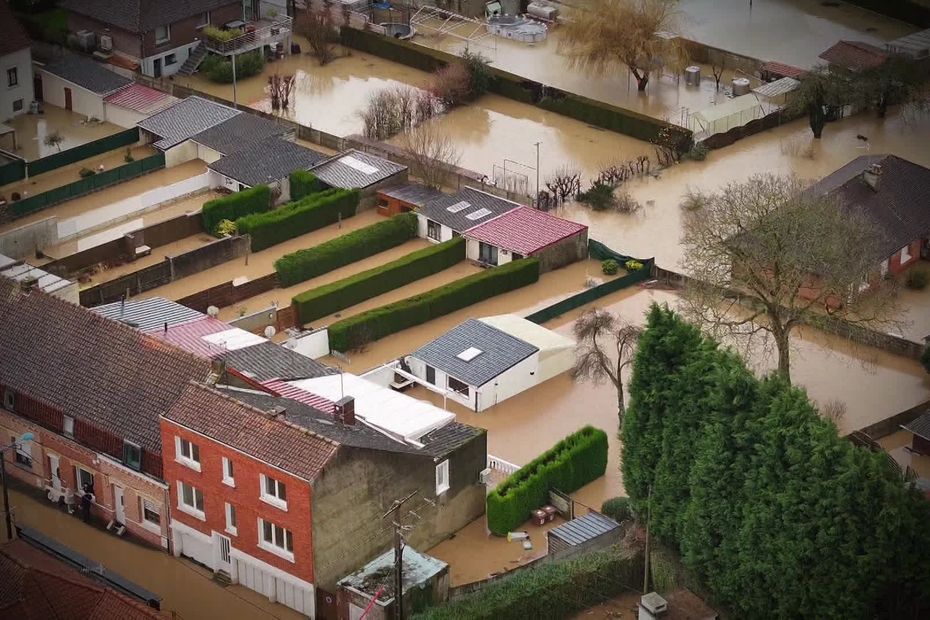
(13, 171)
(83, 151)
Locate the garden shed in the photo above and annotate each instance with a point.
(268, 162)
(367, 173)
(591, 532)
(77, 83)
(407, 197)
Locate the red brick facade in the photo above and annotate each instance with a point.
(186, 31)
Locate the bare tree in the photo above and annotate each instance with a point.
(630, 33)
(605, 346)
(397, 109)
(320, 33)
(432, 154)
(452, 84)
(53, 139)
(564, 182)
(279, 88)
(717, 69)
(765, 256)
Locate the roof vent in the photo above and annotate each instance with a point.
(469, 354)
(872, 175)
(278, 412)
(477, 215)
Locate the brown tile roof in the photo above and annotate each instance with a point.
(89, 367)
(854, 55)
(36, 586)
(13, 36)
(277, 442)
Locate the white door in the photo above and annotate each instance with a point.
(221, 545)
(118, 505)
(53, 468)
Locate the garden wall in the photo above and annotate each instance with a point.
(227, 294)
(23, 242)
(893, 424)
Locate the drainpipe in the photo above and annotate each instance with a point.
(168, 536)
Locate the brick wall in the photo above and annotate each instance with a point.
(895, 265)
(124, 42)
(186, 30)
(564, 252)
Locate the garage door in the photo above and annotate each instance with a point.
(197, 549)
(297, 598)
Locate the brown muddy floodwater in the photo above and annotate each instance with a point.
(185, 588)
(32, 129)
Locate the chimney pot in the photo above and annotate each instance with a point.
(344, 410)
(278, 411)
(872, 176)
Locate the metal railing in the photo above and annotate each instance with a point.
(499, 464)
(267, 32)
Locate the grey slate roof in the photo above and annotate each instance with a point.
(149, 315)
(242, 131)
(268, 360)
(142, 15)
(413, 193)
(13, 36)
(580, 530)
(499, 351)
(185, 119)
(339, 171)
(88, 74)
(920, 426)
(438, 210)
(266, 161)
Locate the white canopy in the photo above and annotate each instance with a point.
(724, 116)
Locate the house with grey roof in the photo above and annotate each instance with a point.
(79, 84)
(484, 361)
(16, 59)
(452, 215)
(367, 173)
(172, 130)
(267, 162)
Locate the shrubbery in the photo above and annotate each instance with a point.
(296, 218)
(617, 508)
(917, 278)
(356, 331)
(253, 200)
(219, 69)
(303, 183)
(325, 300)
(305, 264)
(569, 465)
(610, 267)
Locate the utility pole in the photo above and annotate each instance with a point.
(399, 544)
(235, 99)
(648, 522)
(537, 170)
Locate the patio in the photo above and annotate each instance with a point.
(74, 129)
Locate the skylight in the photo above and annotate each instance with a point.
(459, 206)
(477, 215)
(361, 166)
(469, 354)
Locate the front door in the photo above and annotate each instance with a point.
(53, 470)
(67, 98)
(223, 559)
(118, 505)
(156, 68)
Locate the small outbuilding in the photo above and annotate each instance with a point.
(129, 106)
(453, 215)
(403, 198)
(855, 56)
(77, 83)
(367, 173)
(268, 162)
(590, 532)
(525, 232)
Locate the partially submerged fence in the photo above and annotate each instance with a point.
(229, 293)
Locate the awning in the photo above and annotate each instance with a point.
(779, 87)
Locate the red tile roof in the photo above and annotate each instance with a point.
(281, 388)
(277, 442)
(525, 230)
(784, 70)
(141, 99)
(854, 55)
(13, 36)
(36, 586)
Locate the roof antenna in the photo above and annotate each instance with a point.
(166, 327)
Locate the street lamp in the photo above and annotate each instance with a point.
(6, 498)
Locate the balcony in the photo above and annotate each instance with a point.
(256, 35)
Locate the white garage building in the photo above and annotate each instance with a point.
(76, 83)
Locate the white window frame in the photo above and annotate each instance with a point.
(229, 473)
(442, 477)
(906, 254)
(149, 525)
(167, 37)
(274, 500)
(67, 426)
(77, 477)
(187, 460)
(187, 508)
(438, 227)
(232, 520)
(129, 445)
(271, 546)
(12, 77)
(205, 19)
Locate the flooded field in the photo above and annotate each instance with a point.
(32, 129)
(187, 590)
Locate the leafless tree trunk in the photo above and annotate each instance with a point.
(431, 152)
(717, 70)
(280, 87)
(319, 31)
(565, 182)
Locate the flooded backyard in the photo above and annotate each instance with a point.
(74, 129)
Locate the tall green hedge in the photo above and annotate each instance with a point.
(302, 265)
(377, 323)
(297, 218)
(303, 183)
(234, 206)
(567, 466)
(325, 300)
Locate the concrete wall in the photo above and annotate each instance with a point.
(22, 242)
(418, 369)
(124, 117)
(511, 382)
(445, 233)
(313, 344)
(182, 153)
(207, 155)
(357, 488)
(565, 252)
(83, 101)
(22, 61)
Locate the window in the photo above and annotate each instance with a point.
(229, 476)
(431, 375)
(274, 492)
(23, 453)
(187, 453)
(171, 59)
(85, 479)
(9, 399)
(12, 77)
(883, 268)
(458, 386)
(162, 34)
(276, 539)
(150, 513)
(433, 230)
(18, 105)
(190, 500)
(487, 253)
(67, 426)
(905, 254)
(204, 19)
(132, 455)
(442, 477)
(231, 524)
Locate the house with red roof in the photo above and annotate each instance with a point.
(525, 232)
(854, 56)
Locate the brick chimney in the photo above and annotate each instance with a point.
(344, 410)
(873, 176)
(278, 412)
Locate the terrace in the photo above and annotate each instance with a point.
(255, 35)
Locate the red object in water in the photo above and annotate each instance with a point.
(539, 517)
(550, 512)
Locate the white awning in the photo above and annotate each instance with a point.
(779, 87)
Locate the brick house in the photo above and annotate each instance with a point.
(92, 391)
(16, 90)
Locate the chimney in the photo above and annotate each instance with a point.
(278, 412)
(344, 410)
(873, 176)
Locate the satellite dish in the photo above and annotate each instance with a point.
(213, 311)
(270, 331)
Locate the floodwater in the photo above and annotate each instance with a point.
(32, 129)
(917, 304)
(187, 591)
(898, 446)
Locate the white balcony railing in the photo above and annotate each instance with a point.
(264, 32)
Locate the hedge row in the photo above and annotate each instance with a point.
(330, 298)
(302, 265)
(569, 465)
(296, 218)
(303, 183)
(355, 331)
(234, 206)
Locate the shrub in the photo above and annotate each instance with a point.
(917, 278)
(128, 158)
(610, 267)
(305, 264)
(303, 183)
(633, 265)
(567, 466)
(219, 69)
(296, 218)
(698, 152)
(599, 196)
(452, 84)
(325, 300)
(380, 322)
(479, 72)
(86, 172)
(219, 35)
(617, 508)
(232, 207)
(226, 228)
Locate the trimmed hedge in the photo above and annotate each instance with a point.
(567, 466)
(303, 183)
(296, 218)
(234, 206)
(333, 297)
(377, 323)
(302, 265)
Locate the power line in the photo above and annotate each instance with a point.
(399, 543)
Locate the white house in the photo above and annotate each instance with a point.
(453, 215)
(16, 88)
(77, 83)
(482, 362)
